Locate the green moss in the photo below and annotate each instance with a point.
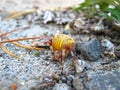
(36, 53)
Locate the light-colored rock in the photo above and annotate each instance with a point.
(80, 65)
(77, 83)
(61, 86)
(108, 45)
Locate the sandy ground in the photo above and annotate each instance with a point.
(19, 5)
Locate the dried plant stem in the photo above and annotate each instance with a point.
(16, 43)
(18, 14)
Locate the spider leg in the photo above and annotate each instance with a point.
(63, 54)
(62, 59)
(52, 52)
(74, 59)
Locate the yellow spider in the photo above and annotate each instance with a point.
(60, 45)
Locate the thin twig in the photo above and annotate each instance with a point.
(21, 39)
(18, 44)
(18, 14)
(7, 51)
(21, 28)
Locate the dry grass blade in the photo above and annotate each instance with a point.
(21, 39)
(25, 27)
(7, 51)
(16, 43)
(23, 46)
(18, 14)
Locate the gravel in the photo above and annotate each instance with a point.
(30, 72)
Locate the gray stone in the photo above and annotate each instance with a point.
(117, 51)
(108, 45)
(78, 84)
(109, 80)
(79, 23)
(90, 50)
(61, 86)
(5, 84)
(4, 88)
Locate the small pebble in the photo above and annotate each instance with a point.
(80, 65)
(63, 78)
(78, 84)
(108, 45)
(61, 86)
(56, 77)
(69, 80)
